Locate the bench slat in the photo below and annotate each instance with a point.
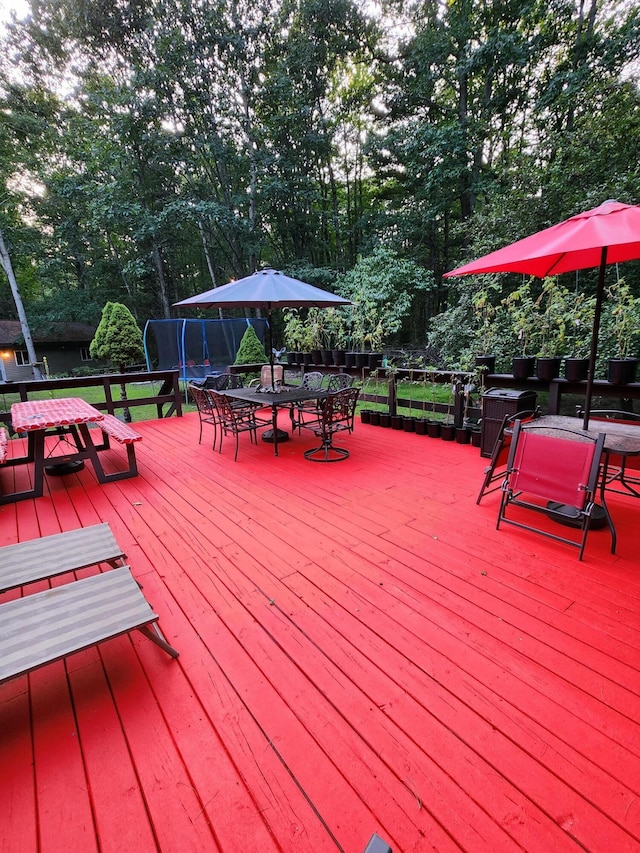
(4, 442)
(44, 627)
(53, 555)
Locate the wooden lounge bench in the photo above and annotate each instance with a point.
(49, 556)
(124, 434)
(38, 629)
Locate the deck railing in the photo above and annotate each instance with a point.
(167, 399)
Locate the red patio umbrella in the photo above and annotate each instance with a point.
(608, 234)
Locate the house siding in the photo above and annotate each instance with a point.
(61, 356)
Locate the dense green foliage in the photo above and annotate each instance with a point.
(152, 150)
(118, 338)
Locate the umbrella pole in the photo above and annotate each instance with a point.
(274, 434)
(273, 381)
(594, 339)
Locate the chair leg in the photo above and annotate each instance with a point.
(327, 452)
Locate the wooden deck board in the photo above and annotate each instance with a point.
(360, 651)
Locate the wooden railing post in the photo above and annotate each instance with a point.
(393, 392)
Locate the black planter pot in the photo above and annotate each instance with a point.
(316, 357)
(374, 419)
(338, 356)
(447, 432)
(350, 359)
(326, 356)
(523, 366)
(421, 426)
(293, 358)
(408, 424)
(307, 359)
(576, 369)
(463, 435)
(362, 360)
(488, 362)
(385, 419)
(476, 438)
(374, 360)
(548, 368)
(397, 422)
(622, 371)
(365, 416)
(433, 429)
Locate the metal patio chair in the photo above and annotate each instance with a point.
(622, 472)
(234, 417)
(311, 381)
(207, 412)
(337, 412)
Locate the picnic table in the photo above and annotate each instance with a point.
(67, 417)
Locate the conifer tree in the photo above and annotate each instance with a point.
(118, 339)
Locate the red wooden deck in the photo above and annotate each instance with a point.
(360, 651)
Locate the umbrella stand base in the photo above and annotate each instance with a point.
(267, 435)
(565, 514)
(64, 466)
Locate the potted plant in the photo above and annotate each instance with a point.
(463, 433)
(334, 335)
(622, 321)
(374, 418)
(294, 335)
(421, 420)
(433, 423)
(552, 314)
(409, 421)
(521, 309)
(447, 428)
(486, 336)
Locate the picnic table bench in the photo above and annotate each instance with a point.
(124, 434)
(44, 627)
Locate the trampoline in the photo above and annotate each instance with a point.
(196, 347)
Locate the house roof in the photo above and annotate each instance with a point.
(53, 333)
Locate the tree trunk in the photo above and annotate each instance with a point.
(207, 255)
(157, 262)
(5, 260)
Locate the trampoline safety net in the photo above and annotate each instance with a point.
(196, 347)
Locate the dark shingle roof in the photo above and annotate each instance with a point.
(53, 333)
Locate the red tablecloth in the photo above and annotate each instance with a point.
(42, 414)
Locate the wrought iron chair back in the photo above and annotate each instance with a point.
(220, 381)
(312, 380)
(338, 381)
